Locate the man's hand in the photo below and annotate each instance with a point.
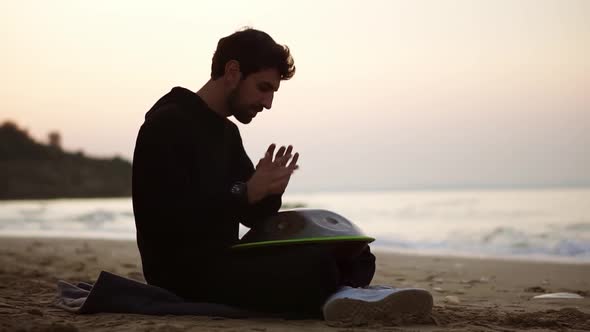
(272, 175)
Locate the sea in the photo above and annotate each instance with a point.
(540, 224)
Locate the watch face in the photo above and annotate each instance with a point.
(238, 188)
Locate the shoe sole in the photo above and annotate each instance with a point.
(403, 306)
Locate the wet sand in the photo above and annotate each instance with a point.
(469, 294)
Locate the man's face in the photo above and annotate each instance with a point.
(253, 94)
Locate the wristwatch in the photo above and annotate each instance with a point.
(239, 191)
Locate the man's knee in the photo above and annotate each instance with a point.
(358, 271)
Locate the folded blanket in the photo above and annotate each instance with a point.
(116, 294)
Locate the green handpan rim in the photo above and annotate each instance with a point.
(306, 240)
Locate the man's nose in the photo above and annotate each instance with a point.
(267, 102)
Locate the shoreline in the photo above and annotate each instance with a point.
(385, 250)
(469, 293)
(481, 256)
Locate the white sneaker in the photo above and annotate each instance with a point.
(358, 306)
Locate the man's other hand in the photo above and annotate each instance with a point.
(273, 173)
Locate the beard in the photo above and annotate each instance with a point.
(240, 111)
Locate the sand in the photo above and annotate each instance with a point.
(469, 294)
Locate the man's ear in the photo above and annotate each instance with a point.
(232, 73)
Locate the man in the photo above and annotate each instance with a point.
(193, 183)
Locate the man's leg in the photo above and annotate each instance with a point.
(357, 271)
(294, 279)
(307, 274)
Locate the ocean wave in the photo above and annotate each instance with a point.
(514, 225)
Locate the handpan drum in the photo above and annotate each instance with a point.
(307, 226)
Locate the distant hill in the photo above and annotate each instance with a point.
(32, 170)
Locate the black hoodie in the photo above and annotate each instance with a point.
(186, 159)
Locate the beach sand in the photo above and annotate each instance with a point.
(469, 294)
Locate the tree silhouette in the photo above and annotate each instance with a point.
(31, 170)
(54, 139)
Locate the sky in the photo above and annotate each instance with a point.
(387, 94)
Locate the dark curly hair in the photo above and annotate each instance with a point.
(254, 50)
